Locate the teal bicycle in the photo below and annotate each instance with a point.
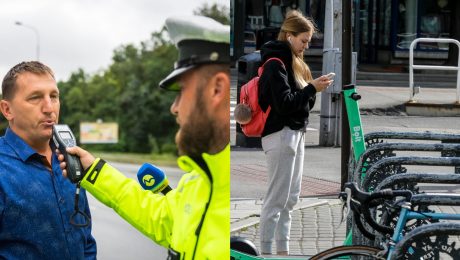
(403, 240)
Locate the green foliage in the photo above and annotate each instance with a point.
(3, 125)
(127, 93)
(218, 12)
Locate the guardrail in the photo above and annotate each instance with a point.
(431, 67)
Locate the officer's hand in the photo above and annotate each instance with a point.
(321, 83)
(86, 158)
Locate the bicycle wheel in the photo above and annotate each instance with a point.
(243, 245)
(434, 241)
(348, 252)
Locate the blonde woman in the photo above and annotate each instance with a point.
(290, 90)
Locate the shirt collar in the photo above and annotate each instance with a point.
(22, 149)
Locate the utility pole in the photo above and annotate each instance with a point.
(37, 35)
(337, 57)
(346, 80)
(330, 98)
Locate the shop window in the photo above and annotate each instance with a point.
(265, 17)
(427, 19)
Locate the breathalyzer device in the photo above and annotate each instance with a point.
(63, 138)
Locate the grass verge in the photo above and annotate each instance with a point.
(138, 158)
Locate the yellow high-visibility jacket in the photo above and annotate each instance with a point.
(192, 220)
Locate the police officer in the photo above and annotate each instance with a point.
(193, 220)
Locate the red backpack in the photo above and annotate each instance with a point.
(249, 99)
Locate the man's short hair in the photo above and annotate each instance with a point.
(9, 81)
(207, 71)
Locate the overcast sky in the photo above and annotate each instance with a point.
(81, 33)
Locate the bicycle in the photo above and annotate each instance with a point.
(422, 242)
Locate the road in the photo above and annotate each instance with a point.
(115, 238)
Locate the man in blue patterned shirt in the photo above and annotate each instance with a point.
(36, 202)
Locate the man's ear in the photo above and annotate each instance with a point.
(6, 109)
(220, 88)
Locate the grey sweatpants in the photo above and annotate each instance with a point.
(284, 152)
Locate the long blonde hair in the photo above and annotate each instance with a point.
(295, 23)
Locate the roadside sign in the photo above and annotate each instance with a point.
(98, 133)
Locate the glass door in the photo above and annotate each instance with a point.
(374, 23)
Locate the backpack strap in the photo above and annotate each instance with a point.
(261, 68)
(246, 95)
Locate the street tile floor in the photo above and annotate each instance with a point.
(314, 228)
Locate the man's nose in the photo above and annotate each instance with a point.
(174, 106)
(48, 105)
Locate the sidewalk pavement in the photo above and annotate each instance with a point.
(316, 222)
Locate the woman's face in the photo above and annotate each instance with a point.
(300, 42)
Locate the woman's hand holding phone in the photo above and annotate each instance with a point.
(323, 82)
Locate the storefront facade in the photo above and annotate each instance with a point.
(382, 29)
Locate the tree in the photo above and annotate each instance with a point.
(127, 93)
(3, 124)
(220, 13)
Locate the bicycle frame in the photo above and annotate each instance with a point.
(407, 214)
(242, 256)
(351, 98)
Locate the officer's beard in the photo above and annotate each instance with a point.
(199, 134)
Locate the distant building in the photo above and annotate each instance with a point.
(382, 29)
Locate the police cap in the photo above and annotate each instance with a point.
(200, 40)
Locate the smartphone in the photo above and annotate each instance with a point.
(63, 138)
(330, 76)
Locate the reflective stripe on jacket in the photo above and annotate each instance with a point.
(193, 220)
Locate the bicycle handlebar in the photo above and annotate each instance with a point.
(367, 200)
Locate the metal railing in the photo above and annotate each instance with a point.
(431, 67)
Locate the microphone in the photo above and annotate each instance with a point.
(153, 178)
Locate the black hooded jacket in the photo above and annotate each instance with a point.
(290, 105)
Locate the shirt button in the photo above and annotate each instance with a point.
(61, 200)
